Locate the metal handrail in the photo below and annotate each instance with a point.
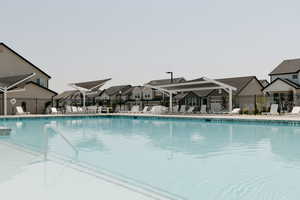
(47, 126)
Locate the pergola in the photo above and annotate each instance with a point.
(90, 86)
(203, 83)
(7, 85)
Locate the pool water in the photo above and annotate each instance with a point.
(193, 159)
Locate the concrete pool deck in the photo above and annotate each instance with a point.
(24, 175)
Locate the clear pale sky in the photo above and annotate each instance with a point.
(135, 41)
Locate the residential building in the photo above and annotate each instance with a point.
(36, 95)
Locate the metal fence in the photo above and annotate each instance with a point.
(252, 104)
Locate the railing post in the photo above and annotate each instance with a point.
(46, 143)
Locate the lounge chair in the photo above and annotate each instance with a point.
(68, 109)
(20, 111)
(54, 110)
(135, 109)
(145, 110)
(175, 108)
(182, 109)
(159, 109)
(92, 109)
(273, 110)
(74, 109)
(295, 111)
(80, 110)
(235, 111)
(191, 109)
(203, 109)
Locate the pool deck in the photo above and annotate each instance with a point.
(25, 175)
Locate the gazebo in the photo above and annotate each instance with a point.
(90, 86)
(203, 83)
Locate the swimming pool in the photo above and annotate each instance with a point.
(190, 158)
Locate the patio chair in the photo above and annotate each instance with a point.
(295, 111)
(54, 110)
(135, 109)
(235, 111)
(203, 109)
(68, 109)
(74, 109)
(175, 108)
(20, 111)
(145, 110)
(158, 110)
(273, 110)
(92, 109)
(191, 109)
(182, 109)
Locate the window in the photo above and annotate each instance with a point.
(295, 76)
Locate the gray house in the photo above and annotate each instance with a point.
(36, 94)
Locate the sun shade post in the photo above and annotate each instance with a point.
(171, 102)
(230, 100)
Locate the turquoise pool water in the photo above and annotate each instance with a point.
(193, 159)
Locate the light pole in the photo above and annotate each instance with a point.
(171, 76)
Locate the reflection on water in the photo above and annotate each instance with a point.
(191, 158)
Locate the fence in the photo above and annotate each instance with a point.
(32, 105)
(251, 104)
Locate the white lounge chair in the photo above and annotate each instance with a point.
(191, 109)
(235, 111)
(175, 108)
(135, 109)
(68, 109)
(295, 111)
(273, 110)
(54, 110)
(145, 110)
(158, 110)
(80, 110)
(74, 109)
(203, 109)
(182, 109)
(20, 111)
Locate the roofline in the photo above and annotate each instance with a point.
(271, 74)
(254, 77)
(42, 87)
(30, 63)
(281, 80)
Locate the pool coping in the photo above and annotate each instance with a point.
(282, 119)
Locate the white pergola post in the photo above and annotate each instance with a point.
(171, 102)
(83, 96)
(230, 99)
(5, 100)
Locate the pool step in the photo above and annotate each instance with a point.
(4, 131)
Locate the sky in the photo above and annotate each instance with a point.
(135, 41)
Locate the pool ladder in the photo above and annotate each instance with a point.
(55, 129)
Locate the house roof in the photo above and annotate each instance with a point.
(290, 83)
(264, 82)
(166, 81)
(115, 89)
(287, 67)
(11, 80)
(92, 85)
(238, 82)
(129, 91)
(34, 83)
(181, 95)
(27, 61)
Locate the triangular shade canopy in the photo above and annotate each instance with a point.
(91, 85)
(12, 81)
